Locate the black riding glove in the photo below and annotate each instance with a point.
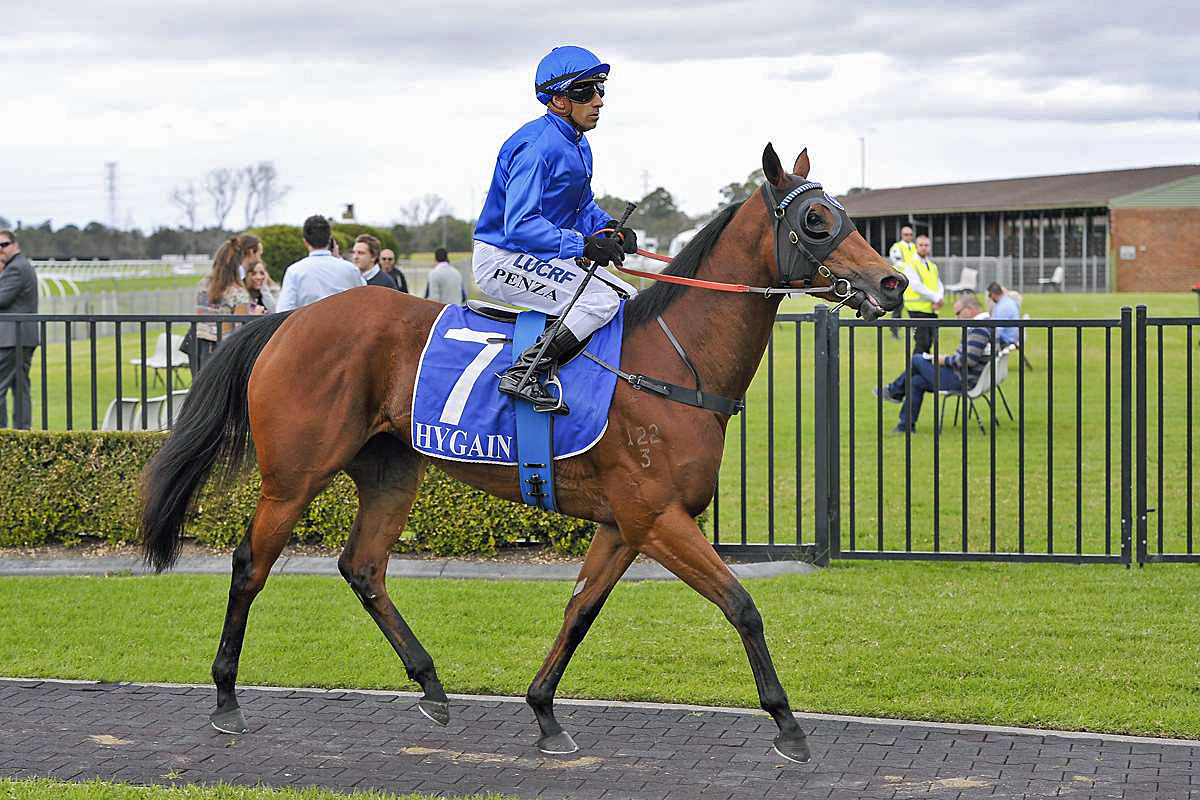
(627, 236)
(602, 250)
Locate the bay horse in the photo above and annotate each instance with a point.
(328, 388)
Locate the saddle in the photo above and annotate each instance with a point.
(509, 317)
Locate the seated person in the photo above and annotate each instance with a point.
(1003, 307)
(972, 356)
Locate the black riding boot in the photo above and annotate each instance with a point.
(534, 390)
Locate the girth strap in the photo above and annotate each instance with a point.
(680, 394)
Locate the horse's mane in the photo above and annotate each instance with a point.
(654, 301)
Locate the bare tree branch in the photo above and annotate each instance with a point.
(221, 186)
(187, 200)
(424, 210)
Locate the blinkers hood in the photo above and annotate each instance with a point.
(800, 249)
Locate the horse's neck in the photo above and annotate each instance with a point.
(725, 333)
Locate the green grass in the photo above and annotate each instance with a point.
(1094, 648)
(1049, 483)
(100, 790)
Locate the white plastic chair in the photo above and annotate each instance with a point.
(157, 360)
(123, 408)
(968, 281)
(1056, 279)
(982, 388)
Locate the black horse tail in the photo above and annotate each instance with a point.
(212, 431)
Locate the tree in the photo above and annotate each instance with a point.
(423, 210)
(612, 205)
(222, 186)
(262, 191)
(187, 200)
(737, 192)
(658, 215)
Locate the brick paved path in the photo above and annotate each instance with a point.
(156, 734)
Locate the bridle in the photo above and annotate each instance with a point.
(800, 250)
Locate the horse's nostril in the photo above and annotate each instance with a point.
(890, 284)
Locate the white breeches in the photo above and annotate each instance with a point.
(548, 286)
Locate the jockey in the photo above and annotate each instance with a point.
(540, 220)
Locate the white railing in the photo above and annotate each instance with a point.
(79, 271)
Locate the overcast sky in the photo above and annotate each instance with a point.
(377, 103)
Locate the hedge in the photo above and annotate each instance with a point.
(59, 487)
(283, 245)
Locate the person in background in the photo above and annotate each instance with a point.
(445, 284)
(1003, 307)
(320, 273)
(924, 294)
(900, 254)
(259, 286)
(223, 292)
(971, 357)
(387, 263)
(365, 255)
(18, 340)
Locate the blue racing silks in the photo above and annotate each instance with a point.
(540, 200)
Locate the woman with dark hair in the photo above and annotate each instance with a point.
(222, 292)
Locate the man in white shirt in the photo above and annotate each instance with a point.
(924, 294)
(445, 283)
(320, 273)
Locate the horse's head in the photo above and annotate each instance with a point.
(817, 245)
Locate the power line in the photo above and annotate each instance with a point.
(111, 186)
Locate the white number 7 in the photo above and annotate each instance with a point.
(457, 401)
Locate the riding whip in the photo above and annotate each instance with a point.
(553, 329)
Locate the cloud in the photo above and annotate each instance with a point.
(393, 100)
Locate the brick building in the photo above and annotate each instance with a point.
(1125, 230)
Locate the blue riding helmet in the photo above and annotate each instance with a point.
(564, 66)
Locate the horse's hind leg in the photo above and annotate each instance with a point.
(606, 561)
(675, 541)
(265, 537)
(387, 475)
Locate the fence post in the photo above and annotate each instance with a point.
(825, 428)
(1140, 435)
(1127, 436)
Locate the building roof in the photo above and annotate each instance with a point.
(1075, 190)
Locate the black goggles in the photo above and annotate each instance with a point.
(584, 92)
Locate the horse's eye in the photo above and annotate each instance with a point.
(814, 221)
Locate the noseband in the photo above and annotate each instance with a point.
(804, 259)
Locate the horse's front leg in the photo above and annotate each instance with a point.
(675, 541)
(606, 561)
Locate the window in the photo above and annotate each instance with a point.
(991, 234)
(956, 235)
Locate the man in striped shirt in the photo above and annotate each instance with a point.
(970, 358)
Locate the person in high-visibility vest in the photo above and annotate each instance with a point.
(903, 250)
(900, 253)
(924, 294)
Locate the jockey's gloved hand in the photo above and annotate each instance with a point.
(627, 236)
(602, 250)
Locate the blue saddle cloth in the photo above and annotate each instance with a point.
(459, 414)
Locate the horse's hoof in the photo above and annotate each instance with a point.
(557, 744)
(435, 711)
(231, 721)
(793, 749)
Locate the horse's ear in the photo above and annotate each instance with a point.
(802, 166)
(772, 167)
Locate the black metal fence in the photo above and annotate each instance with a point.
(105, 368)
(1080, 449)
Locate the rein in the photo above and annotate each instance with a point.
(840, 286)
(799, 263)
